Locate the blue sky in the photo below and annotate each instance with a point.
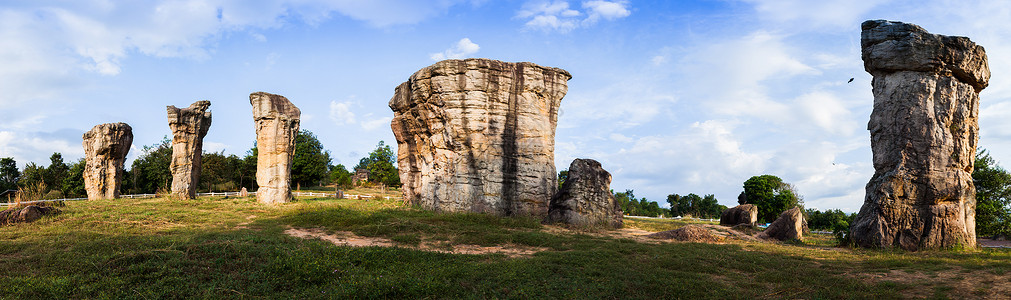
(671, 96)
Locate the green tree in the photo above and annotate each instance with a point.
(247, 169)
(151, 171)
(311, 162)
(993, 196)
(9, 174)
(73, 185)
(56, 173)
(562, 176)
(340, 176)
(771, 195)
(218, 172)
(32, 175)
(381, 164)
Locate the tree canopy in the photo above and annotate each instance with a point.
(695, 206)
(311, 163)
(381, 164)
(9, 174)
(771, 195)
(993, 196)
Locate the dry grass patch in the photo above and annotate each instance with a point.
(347, 238)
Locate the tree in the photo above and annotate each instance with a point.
(218, 172)
(771, 195)
(9, 174)
(151, 171)
(57, 172)
(32, 175)
(381, 165)
(73, 185)
(311, 162)
(993, 196)
(340, 176)
(695, 206)
(562, 176)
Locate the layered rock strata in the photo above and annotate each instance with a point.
(746, 214)
(189, 126)
(479, 135)
(277, 123)
(585, 198)
(923, 137)
(788, 226)
(105, 149)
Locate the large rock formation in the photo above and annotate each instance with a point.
(105, 149)
(479, 135)
(189, 126)
(789, 226)
(276, 127)
(923, 137)
(26, 214)
(585, 198)
(746, 214)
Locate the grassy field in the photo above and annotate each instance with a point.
(218, 247)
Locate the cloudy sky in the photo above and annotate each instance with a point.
(671, 96)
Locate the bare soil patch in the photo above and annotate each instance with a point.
(964, 283)
(347, 238)
(689, 233)
(991, 243)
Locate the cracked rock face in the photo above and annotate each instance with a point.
(479, 135)
(585, 198)
(746, 214)
(276, 127)
(189, 126)
(923, 137)
(788, 226)
(105, 149)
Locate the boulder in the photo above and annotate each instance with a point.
(189, 126)
(105, 149)
(277, 123)
(924, 130)
(789, 226)
(479, 135)
(746, 214)
(585, 198)
(25, 214)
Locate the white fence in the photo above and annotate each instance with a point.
(226, 194)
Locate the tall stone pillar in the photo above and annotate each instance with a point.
(923, 137)
(189, 126)
(479, 135)
(105, 149)
(276, 127)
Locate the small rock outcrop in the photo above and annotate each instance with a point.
(277, 123)
(25, 214)
(479, 135)
(189, 126)
(923, 137)
(585, 198)
(105, 149)
(744, 214)
(789, 226)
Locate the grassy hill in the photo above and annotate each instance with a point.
(236, 248)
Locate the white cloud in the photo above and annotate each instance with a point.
(463, 48)
(36, 147)
(558, 16)
(214, 147)
(376, 123)
(341, 114)
(837, 13)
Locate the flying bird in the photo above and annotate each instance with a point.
(851, 80)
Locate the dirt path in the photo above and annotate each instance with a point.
(347, 238)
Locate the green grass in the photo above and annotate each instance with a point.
(236, 248)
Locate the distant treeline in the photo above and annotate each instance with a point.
(150, 172)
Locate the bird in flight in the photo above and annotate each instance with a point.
(851, 80)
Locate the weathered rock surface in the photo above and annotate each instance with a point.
(25, 214)
(746, 214)
(585, 198)
(189, 126)
(277, 123)
(789, 226)
(105, 149)
(923, 137)
(479, 135)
